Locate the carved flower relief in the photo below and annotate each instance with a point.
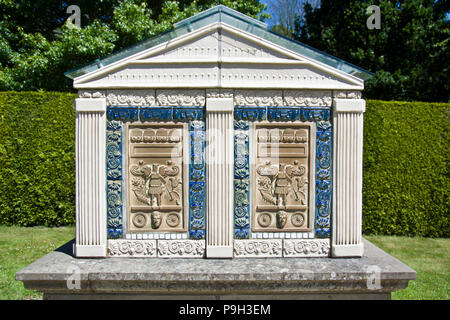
(139, 220)
(257, 248)
(84, 94)
(258, 98)
(219, 93)
(297, 219)
(265, 219)
(306, 247)
(307, 98)
(339, 94)
(181, 98)
(91, 94)
(353, 94)
(181, 248)
(131, 97)
(173, 220)
(131, 248)
(98, 94)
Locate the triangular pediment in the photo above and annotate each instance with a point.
(218, 56)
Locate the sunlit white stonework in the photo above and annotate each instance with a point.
(216, 79)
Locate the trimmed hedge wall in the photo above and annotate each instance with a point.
(406, 169)
(37, 152)
(406, 157)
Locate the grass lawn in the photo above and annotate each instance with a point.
(429, 257)
(21, 246)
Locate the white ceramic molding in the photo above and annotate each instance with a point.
(219, 93)
(319, 98)
(181, 248)
(131, 97)
(220, 190)
(180, 98)
(90, 205)
(267, 248)
(312, 248)
(258, 98)
(347, 186)
(241, 97)
(258, 248)
(129, 248)
(218, 56)
(342, 94)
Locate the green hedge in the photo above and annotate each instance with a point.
(406, 162)
(406, 157)
(37, 151)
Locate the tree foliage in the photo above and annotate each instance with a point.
(285, 13)
(38, 43)
(409, 54)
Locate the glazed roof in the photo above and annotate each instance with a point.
(234, 18)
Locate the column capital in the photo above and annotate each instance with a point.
(219, 105)
(349, 105)
(90, 105)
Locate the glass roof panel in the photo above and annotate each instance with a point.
(234, 18)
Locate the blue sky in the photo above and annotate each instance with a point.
(268, 21)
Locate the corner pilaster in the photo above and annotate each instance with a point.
(347, 168)
(90, 177)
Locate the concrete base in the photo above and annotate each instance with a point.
(61, 276)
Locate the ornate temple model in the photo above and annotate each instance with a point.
(219, 139)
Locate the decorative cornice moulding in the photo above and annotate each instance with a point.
(187, 98)
(241, 97)
(258, 98)
(307, 98)
(219, 93)
(131, 97)
(91, 94)
(342, 94)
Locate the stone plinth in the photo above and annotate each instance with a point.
(374, 276)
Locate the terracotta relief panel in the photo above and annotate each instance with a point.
(155, 177)
(284, 176)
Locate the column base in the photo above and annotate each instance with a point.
(347, 251)
(221, 252)
(98, 251)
